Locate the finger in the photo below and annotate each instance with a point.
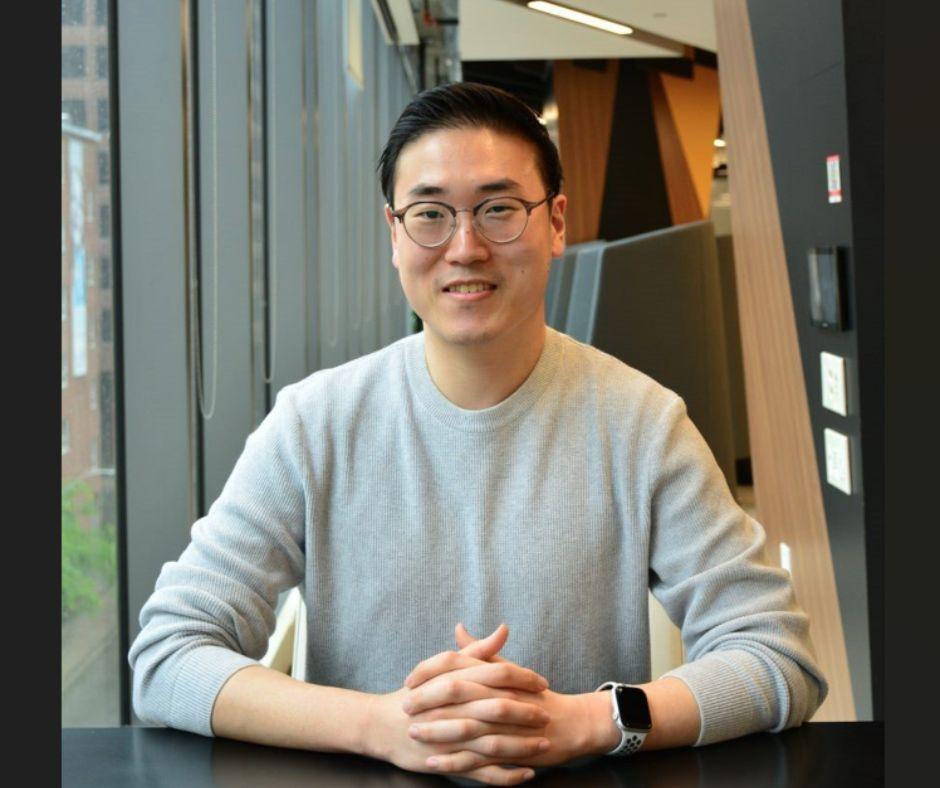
(487, 750)
(444, 662)
(488, 647)
(446, 691)
(474, 682)
(500, 775)
(501, 747)
(504, 711)
(459, 730)
(508, 675)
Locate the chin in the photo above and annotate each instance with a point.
(465, 337)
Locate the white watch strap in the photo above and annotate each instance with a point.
(630, 739)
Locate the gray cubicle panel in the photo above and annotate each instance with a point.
(654, 302)
(735, 355)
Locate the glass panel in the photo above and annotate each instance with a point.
(91, 662)
(73, 12)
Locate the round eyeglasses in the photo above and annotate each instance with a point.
(498, 219)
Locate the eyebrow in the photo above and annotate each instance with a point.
(429, 190)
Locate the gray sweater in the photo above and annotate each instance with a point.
(400, 514)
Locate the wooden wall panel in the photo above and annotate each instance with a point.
(585, 99)
(786, 477)
(695, 107)
(684, 205)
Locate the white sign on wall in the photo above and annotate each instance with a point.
(834, 178)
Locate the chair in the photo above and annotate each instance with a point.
(287, 648)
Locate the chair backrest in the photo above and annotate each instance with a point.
(560, 277)
(654, 301)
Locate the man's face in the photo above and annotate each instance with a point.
(462, 167)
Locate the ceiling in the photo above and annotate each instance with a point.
(500, 30)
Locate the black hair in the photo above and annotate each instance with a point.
(468, 104)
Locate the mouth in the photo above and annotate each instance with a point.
(469, 288)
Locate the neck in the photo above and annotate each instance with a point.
(474, 377)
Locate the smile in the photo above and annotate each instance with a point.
(473, 287)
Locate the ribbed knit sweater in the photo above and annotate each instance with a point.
(400, 514)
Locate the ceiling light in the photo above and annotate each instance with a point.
(579, 16)
(720, 143)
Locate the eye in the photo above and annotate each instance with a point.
(501, 209)
(428, 214)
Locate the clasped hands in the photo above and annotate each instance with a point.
(474, 714)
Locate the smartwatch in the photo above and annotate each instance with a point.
(630, 711)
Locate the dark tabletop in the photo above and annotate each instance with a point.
(817, 754)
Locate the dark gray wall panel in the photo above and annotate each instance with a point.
(331, 154)
(803, 72)
(231, 417)
(156, 399)
(286, 258)
(311, 184)
(360, 304)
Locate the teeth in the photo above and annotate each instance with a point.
(474, 288)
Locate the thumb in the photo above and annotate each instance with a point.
(484, 649)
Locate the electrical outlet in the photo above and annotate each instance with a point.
(833, 383)
(838, 469)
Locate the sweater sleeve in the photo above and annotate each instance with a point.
(213, 610)
(750, 662)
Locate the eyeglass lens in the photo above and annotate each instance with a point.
(500, 221)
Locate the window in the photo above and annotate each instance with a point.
(104, 168)
(106, 406)
(73, 12)
(73, 62)
(106, 326)
(104, 226)
(90, 605)
(104, 281)
(75, 109)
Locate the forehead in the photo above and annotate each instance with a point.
(465, 160)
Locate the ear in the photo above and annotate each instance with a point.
(393, 233)
(558, 225)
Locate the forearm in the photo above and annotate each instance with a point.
(260, 705)
(673, 709)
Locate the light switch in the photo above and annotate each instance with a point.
(833, 382)
(838, 469)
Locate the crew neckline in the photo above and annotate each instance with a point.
(483, 419)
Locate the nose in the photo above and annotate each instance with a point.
(467, 245)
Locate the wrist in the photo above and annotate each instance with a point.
(604, 733)
(367, 736)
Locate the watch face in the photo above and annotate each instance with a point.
(633, 707)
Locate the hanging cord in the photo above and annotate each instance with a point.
(207, 412)
(272, 256)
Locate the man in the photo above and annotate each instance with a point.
(486, 470)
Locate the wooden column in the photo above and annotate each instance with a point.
(786, 477)
(585, 99)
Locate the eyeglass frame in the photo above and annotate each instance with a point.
(527, 204)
